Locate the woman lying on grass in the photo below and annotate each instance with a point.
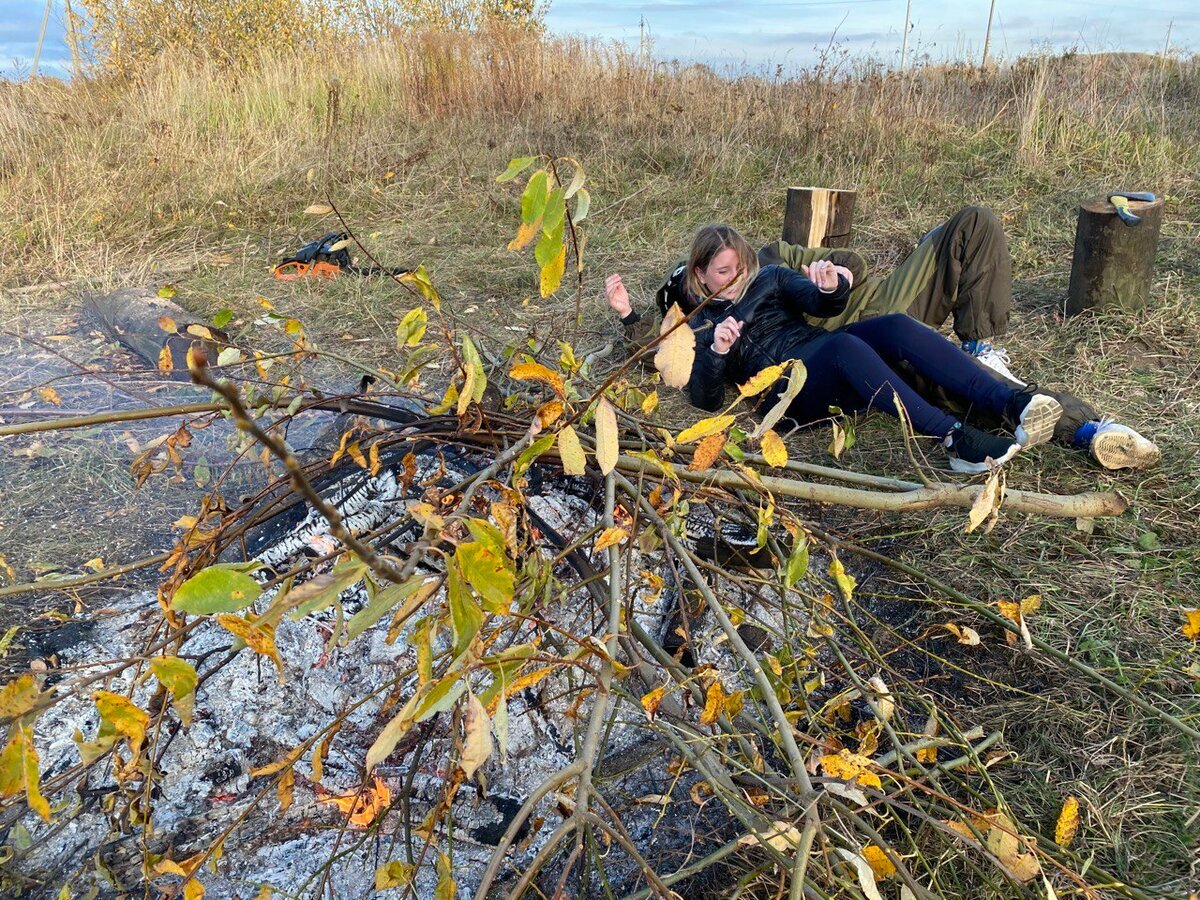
(960, 271)
(756, 318)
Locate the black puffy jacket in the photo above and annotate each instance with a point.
(771, 311)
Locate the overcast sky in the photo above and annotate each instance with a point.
(765, 34)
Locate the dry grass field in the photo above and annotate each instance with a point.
(198, 177)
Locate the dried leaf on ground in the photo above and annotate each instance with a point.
(1068, 822)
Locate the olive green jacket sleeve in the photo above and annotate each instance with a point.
(638, 332)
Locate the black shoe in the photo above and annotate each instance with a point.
(973, 450)
(1032, 416)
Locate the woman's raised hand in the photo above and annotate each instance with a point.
(726, 335)
(617, 296)
(823, 274)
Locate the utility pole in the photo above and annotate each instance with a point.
(37, 54)
(988, 36)
(72, 40)
(904, 45)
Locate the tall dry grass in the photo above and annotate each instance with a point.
(97, 171)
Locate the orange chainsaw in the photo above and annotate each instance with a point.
(326, 257)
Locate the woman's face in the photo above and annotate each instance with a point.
(720, 274)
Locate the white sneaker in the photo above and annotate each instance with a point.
(995, 358)
(1117, 446)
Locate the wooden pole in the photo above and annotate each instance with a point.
(1113, 265)
(987, 37)
(818, 217)
(37, 54)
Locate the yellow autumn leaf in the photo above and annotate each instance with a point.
(762, 380)
(166, 362)
(1191, 627)
(318, 209)
(526, 233)
(878, 861)
(783, 836)
(650, 403)
(607, 448)
(1068, 822)
(549, 413)
(676, 354)
(850, 767)
(533, 371)
(167, 324)
(570, 451)
(609, 537)
(704, 428)
(708, 451)
(652, 700)
(714, 703)
(258, 637)
(773, 450)
(50, 395)
(394, 874)
(844, 580)
(552, 273)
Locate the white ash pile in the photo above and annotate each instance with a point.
(266, 786)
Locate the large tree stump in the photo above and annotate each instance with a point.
(818, 217)
(1113, 265)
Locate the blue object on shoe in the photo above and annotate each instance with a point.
(1084, 434)
(976, 347)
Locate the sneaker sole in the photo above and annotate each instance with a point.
(1115, 450)
(1038, 420)
(973, 468)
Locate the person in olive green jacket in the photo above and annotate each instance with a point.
(960, 270)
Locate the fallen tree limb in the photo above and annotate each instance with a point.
(14, 590)
(1073, 506)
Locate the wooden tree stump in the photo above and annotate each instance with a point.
(1113, 265)
(818, 217)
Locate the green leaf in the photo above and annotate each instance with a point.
(421, 281)
(179, 677)
(583, 202)
(383, 602)
(441, 696)
(19, 769)
(515, 168)
(556, 210)
(221, 588)
(489, 573)
(532, 452)
(533, 200)
(445, 888)
(797, 563)
(549, 245)
(466, 617)
(321, 590)
(488, 535)
(19, 696)
(222, 318)
(411, 328)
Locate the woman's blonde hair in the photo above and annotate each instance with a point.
(708, 242)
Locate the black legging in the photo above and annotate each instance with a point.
(853, 369)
